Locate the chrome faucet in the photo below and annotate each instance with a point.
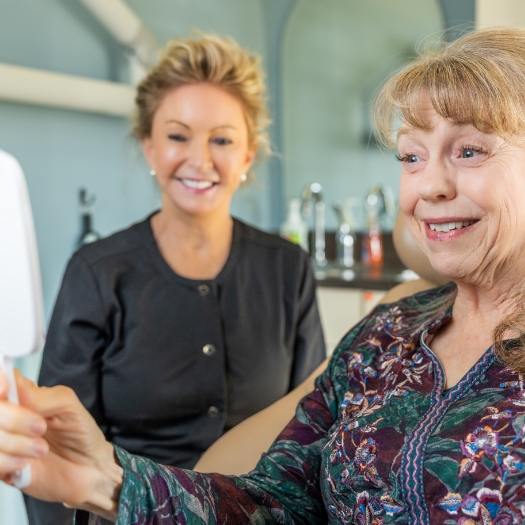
(380, 204)
(313, 192)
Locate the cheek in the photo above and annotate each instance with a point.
(408, 195)
(229, 162)
(171, 153)
(408, 199)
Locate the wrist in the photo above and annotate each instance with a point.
(104, 496)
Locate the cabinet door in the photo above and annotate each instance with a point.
(341, 308)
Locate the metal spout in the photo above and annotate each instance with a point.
(313, 193)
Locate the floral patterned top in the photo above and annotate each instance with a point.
(379, 441)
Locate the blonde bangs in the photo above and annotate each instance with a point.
(467, 84)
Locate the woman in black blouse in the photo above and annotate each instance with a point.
(178, 328)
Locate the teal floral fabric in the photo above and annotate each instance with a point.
(379, 441)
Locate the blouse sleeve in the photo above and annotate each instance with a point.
(310, 349)
(76, 337)
(284, 488)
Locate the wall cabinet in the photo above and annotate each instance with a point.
(341, 308)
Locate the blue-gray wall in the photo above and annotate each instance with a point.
(61, 150)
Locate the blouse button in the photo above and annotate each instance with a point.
(208, 350)
(203, 290)
(213, 412)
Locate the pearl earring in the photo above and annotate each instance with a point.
(152, 173)
(243, 177)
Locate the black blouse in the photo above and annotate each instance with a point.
(166, 364)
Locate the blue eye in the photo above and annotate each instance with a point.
(469, 152)
(408, 158)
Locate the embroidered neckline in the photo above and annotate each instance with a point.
(412, 469)
(473, 374)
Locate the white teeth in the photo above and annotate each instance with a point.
(447, 226)
(197, 184)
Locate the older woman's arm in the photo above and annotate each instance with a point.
(80, 468)
(71, 462)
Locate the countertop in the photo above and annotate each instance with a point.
(363, 277)
(391, 273)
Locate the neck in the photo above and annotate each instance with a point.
(196, 247)
(494, 288)
(194, 231)
(485, 307)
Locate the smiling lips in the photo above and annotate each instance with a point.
(197, 184)
(448, 226)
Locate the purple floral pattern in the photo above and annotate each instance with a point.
(379, 442)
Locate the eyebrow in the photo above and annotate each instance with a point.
(403, 130)
(173, 121)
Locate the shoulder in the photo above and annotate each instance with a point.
(419, 302)
(401, 321)
(413, 313)
(122, 244)
(389, 333)
(268, 241)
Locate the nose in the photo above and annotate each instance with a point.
(199, 155)
(437, 182)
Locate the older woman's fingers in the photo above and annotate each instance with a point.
(47, 401)
(21, 420)
(9, 465)
(20, 445)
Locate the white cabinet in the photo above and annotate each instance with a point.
(342, 308)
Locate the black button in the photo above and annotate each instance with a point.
(203, 290)
(213, 412)
(208, 350)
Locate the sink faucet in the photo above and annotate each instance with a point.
(380, 203)
(313, 192)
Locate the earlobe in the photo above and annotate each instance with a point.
(148, 150)
(250, 157)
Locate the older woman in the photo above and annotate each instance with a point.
(419, 417)
(181, 326)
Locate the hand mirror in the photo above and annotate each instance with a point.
(21, 309)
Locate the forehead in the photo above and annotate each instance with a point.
(435, 125)
(201, 101)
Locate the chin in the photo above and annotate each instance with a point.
(458, 273)
(448, 269)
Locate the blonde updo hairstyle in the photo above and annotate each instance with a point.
(480, 80)
(209, 58)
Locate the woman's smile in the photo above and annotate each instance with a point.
(197, 186)
(449, 228)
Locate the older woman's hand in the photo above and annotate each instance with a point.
(70, 460)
